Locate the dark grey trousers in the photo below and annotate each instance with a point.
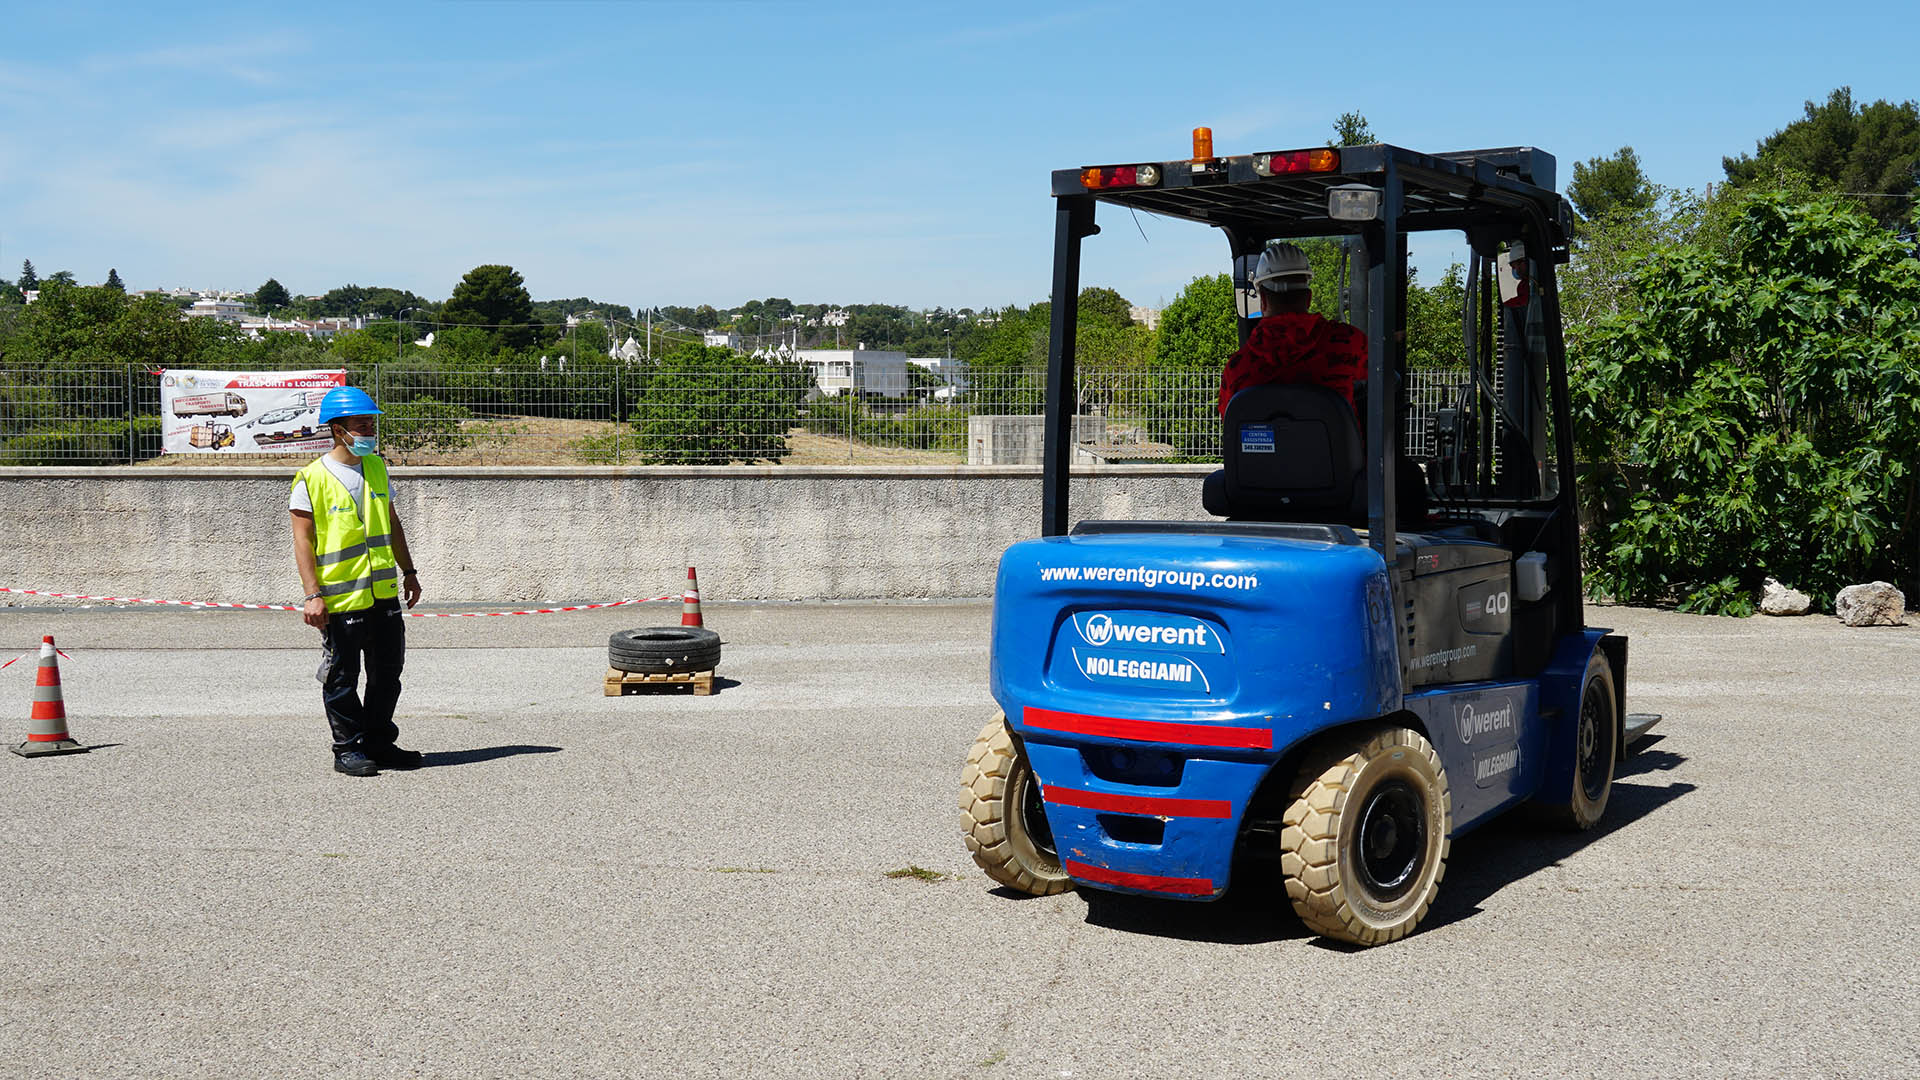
(379, 635)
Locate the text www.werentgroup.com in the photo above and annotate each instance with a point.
(1149, 576)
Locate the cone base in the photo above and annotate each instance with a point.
(48, 749)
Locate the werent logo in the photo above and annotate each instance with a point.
(1101, 629)
(1472, 722)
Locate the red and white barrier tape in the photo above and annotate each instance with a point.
(28, 653)
(291, 607)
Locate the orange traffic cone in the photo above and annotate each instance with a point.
(690, 603)
(47, 725)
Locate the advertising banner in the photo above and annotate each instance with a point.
(244, 412)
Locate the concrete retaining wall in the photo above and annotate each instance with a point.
(536, 534)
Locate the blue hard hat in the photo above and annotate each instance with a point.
(346, 401)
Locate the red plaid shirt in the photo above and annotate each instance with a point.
(1297, 348)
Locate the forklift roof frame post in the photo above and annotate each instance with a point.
(1419, 193)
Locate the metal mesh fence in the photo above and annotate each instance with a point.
(632, 414)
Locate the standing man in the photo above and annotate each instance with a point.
(353, 558)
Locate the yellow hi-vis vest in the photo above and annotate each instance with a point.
(352, 545)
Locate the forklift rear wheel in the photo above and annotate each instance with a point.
(1595, 746)
(1365, 839)
(1006, 823)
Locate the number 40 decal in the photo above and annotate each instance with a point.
(1497, 603)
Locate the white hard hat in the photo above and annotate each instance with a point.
(1283, 267)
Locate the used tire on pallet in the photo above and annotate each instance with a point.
(1366, 837)
(1005, 821)
(664, 650)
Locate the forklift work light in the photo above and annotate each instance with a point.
(1095, 177)
(1353, 202)
(1202, 144)
(1286, 162)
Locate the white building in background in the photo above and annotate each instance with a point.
(948, 370)
(212, 307)
(725, 339)
(1148, 317)
(867, 372)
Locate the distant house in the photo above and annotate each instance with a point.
(949, 371)
(209, 307)
(724, 339)
(865, 372)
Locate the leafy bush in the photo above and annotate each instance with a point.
(84, 442)
(1754, 411)
(918, 427)
(704, 405)
(424, 425)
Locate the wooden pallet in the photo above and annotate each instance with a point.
(626, 682)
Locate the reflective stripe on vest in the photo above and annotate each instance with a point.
(352, 544)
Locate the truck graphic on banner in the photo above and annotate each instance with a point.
(210, 405)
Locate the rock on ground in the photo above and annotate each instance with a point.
(1780, 600)
(1875, 604)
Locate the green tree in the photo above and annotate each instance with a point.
(1198, 330)
(704, 405)
(1756, 411)
(113, 280)
(1104, 307)
(28, 278)
(1016, 341)
(1604, 185)
(68, 338)
(494, 296)
(1871, 153)
(1435, 338)
(63, 277)
(1350, 129)
(271, 296)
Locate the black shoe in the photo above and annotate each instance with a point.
(392, 757)
(355, 763)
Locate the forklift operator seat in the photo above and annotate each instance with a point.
(1289, 453)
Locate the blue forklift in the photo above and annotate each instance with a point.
(1375, 641)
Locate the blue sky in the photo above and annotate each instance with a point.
(680, 153)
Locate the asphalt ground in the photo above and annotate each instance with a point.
(668, 885)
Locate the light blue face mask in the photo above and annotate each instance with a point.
(362, 445)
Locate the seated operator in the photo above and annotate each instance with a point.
(1290, 344)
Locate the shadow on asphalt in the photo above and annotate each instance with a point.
(1255, 909)
(1512, 848)
(437, 758)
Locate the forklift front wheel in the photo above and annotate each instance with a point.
(1006, 823)
(1365, 839)
(1595, 746)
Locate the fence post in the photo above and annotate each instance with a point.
(619, 412)
(129, 403)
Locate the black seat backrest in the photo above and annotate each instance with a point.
(1289, 453)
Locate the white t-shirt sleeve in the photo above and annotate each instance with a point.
(300, 500)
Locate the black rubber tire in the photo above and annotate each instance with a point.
(664, 649)
(1365, 839)
(1596, 745)
(1004, 819)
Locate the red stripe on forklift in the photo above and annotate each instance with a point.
(1238, 738)
(1182, 886)
(1137, 804)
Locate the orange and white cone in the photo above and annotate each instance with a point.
(690, 602)
(47, 724)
